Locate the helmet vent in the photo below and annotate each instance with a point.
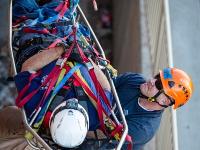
(70, 112)
(171, 83)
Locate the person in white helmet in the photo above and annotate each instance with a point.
(69, 124)
(76, 120)
(12, 137)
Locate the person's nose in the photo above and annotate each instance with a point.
(152, 82)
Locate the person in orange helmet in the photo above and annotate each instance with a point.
(179, 87)
(143, 102)
(172, 83)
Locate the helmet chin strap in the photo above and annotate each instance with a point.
(154, 98)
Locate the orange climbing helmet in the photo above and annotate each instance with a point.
(176, 84)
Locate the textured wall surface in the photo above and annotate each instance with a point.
(185, 24)
(159, 49)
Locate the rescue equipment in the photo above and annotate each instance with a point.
(45, 24)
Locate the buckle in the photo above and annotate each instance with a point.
(89, 65)
(151, 99)
(60, 62)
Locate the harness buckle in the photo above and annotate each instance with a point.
(89, 65)
(151, 99)
(60, 62)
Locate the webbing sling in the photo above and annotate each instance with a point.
(28, 135)
(93, 76)
(98, 87)
(117, 128)
(62, 9)
(21, 101)
(67, 76)
(51, 78)
(60, 84)
(101, 111)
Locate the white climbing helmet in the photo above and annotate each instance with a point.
(69, 124)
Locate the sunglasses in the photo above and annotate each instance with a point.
(158, 84)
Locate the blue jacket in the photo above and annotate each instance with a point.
(142, 124)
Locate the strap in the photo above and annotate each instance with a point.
(96, 83)
(99, 87)
(92, 74)
(129, 140)
(83, 57)
(55, 81)
(154, 98)
(61, 8)
(65, 6)
(19, 20)
(118, 128)
(112, 70)
(59, 40)
(23, 100)
(23, 91)
(40, 119)
(20, 101)
(60, 84)
(95, 101)
(67, 76)
(30, 30)
(52, 83)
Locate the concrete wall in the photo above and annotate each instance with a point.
(185, 25)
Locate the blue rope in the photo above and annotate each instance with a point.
(66, 77)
